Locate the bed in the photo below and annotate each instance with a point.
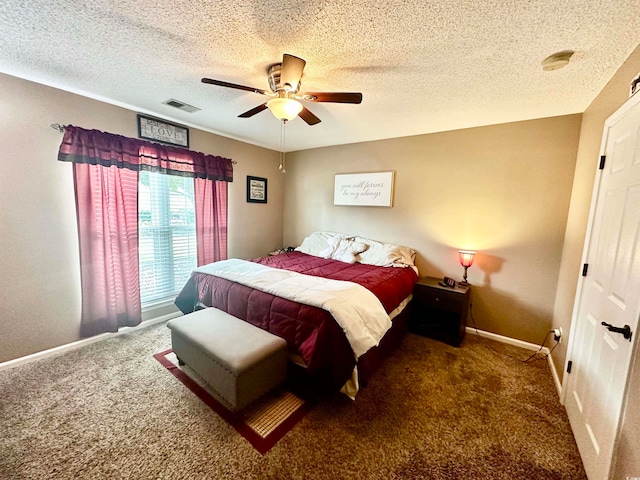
(316, 341)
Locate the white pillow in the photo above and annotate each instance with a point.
(343, 249)
(317, 242)
(385, 254)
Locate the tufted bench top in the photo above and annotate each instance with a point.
(239, 361)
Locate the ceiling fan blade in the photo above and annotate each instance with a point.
(253, 111)
(308, 117)
(220, 83)
(333, 97)
(291, 71)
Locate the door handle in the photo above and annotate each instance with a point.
(625, 331)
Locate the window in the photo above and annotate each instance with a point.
(167, 235)
(107, 180)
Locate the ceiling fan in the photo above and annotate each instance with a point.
(284, 82)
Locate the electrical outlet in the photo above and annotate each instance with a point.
(557, 334)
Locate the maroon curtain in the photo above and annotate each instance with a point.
(99, 148)
(106, 170)
(107, 211)
(211, 220)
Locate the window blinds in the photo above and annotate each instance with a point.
(167, 235)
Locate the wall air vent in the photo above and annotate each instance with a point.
(172, 102)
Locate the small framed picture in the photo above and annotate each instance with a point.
(256, 189)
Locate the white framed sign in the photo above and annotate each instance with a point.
(373, 189)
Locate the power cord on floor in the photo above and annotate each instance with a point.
(535, 356)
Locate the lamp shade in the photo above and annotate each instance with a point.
(284, 108)
(466, 257)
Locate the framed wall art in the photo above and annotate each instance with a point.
(161, 131)
(373, 189)
(256, 189)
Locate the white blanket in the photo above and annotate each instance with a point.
(357, 310)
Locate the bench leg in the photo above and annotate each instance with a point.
(180, 362)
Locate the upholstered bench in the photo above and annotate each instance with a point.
(239, 361)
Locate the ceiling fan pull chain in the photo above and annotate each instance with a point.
(283, 159)
(280, 166)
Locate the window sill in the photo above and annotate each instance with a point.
(158, 309)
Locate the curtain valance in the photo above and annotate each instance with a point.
(99, 148)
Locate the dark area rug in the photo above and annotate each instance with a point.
(262, 424)
(110, 411)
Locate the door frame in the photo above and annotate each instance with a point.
(612, 119)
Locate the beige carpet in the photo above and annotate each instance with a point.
(111, 411)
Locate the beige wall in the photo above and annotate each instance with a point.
(39, 279)
(502, 190)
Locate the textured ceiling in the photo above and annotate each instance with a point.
(422, 66)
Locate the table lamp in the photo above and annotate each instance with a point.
(466, 260)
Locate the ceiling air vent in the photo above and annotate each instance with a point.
(181, 105)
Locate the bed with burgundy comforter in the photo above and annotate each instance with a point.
(312, 334)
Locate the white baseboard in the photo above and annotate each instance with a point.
(508, 340)
(147, 323)
(556, 378)
(85, 341)
(522, 344)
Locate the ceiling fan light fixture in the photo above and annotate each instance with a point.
(284, 82)
(557, 60)
(284, 108)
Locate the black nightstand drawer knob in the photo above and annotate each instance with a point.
(449, 303)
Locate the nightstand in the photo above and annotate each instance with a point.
(439, 312)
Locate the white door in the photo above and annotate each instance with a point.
(610, 292)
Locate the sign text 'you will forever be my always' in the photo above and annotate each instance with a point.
(373, 189)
